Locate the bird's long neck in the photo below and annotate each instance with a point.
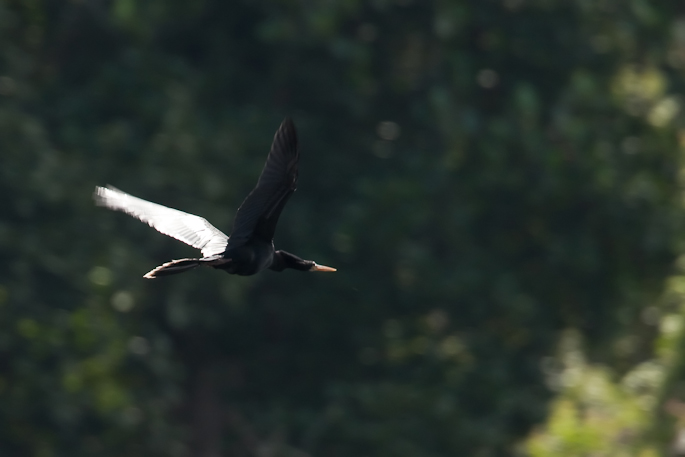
(283, 260)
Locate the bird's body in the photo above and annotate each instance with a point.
(250, 247)
(248, 259)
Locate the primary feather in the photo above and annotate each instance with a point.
(259, 213)
(192, 230)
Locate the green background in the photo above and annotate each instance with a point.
(499, 184)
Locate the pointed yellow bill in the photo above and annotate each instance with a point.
(318, 267)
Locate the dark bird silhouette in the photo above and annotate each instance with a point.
(250, 247)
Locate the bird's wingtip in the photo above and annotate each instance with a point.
(288, 123)
(100, 195)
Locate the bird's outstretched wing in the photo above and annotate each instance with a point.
(259, 213)
(191, 229)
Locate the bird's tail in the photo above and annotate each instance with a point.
(173, 267)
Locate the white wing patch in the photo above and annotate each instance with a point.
(192, 230)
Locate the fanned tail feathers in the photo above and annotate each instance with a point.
(173, 267)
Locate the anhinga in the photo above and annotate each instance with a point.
(250, 247)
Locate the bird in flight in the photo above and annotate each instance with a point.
(250, 248)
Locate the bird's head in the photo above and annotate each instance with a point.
(283, 260)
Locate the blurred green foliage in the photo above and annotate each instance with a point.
(599, 412)
(485, 176)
